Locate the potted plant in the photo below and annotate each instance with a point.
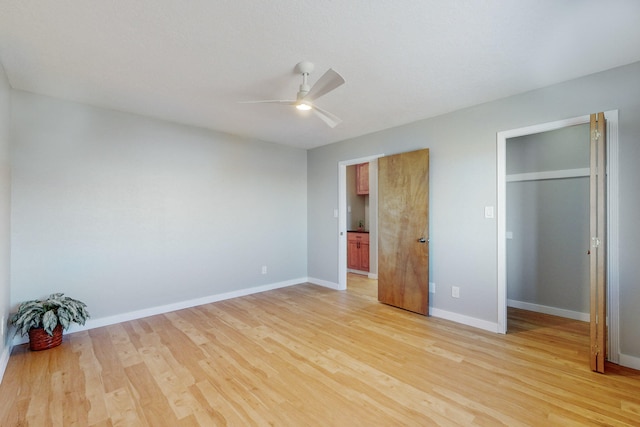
(45, 319)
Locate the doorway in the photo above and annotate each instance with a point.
(401, 181)
(343, 217)
(612, 226)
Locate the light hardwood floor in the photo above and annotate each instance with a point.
(362, 285)
(310, 356)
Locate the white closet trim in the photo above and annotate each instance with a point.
(558, 174)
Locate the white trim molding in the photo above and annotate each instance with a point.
(464, 320)
(629, 361)
(325, 283)
(613, 240)
(555, 311)
(558, 174)
(4, 357)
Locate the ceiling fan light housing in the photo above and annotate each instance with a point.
(303, 106)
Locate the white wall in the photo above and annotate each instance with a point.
(5, 211)
(463, 247)
(128, 213)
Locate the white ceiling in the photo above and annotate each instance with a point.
(403, 60)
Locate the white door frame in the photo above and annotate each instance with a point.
(342, 213)
(613, 301)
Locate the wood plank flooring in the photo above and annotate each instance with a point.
(311, 356)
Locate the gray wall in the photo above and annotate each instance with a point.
(547, 262)
(5, 212)
(463, 180)
(565, 148)
(127, 213)
(355, 201)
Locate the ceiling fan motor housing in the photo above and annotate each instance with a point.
(305, 67)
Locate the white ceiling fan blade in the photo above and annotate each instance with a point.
(325, 84)
(269, 101)
(330, 119)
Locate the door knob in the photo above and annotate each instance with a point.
(422, 240)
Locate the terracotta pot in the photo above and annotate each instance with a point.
(40, 340)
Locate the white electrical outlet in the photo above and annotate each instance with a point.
(455, 292)
(432, 288)
(264, 269)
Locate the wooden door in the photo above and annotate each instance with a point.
(597, 253)
(403, 231)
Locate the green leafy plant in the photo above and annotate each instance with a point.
(48, 313)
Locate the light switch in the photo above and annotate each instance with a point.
(509, 234)
(488, 211)
(335, 213)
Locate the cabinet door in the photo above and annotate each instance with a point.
(364, 256)
(353, 254)
(362, 179)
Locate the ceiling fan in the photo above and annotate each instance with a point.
(305, 99)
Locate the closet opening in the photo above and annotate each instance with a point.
(546, 214)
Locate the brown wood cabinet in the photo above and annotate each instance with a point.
(358, 251)
(362, 179)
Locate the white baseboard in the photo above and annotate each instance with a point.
(373, 276)
(538, 308)
(325, 283)
(629, 361)
(4, 358)
(465, 320)
(360, 272)
(435, 312)
(152, 311)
